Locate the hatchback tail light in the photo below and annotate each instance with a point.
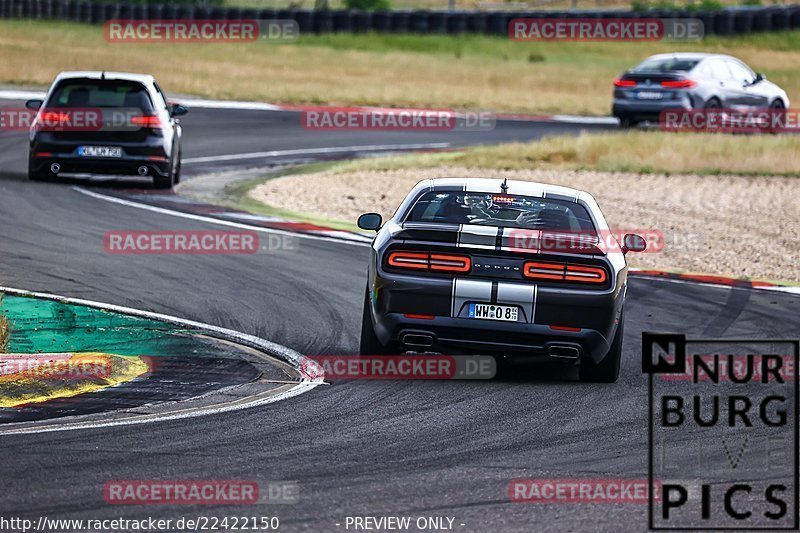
(147, 121)
(431, 262)
(566, 272)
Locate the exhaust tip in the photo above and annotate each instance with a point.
(563, 351)
(143, 170)
(55, 168)
(417, 339)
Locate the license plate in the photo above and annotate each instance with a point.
(649, 95)
(100, 151)
(493, 312)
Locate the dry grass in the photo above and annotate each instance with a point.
(5, 333)
(632, 151)
(439, 71)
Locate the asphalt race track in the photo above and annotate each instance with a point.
(443, 448)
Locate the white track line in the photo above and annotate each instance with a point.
(202, 103)
(211, 220)
(283, 353)
(315, 151)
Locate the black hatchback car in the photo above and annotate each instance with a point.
(106, 123)
(691, 81)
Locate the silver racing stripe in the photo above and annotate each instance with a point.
(469, 290)
(521, 294)
(475, 236)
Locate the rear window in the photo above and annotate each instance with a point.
(666, 64)
(502, 210)
(101, 93)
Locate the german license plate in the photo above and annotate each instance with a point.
(649, 95)
(100, 151)
(493, 312)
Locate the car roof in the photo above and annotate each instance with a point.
(690, 55)
(97, 74)
(493, 186)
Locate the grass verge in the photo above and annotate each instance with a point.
(467, 71)
(627, 151)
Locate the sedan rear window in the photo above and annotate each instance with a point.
(666, 64)
(81, 93)
(501, 210)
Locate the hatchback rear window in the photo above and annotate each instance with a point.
(501, 210)
(666, 64)
(79, 93)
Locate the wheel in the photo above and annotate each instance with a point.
(37, 176)
(177, 175)
(162, 182)
(713, 103)
(777, 104)
(607, 371)
(625, 123)
(370, 344)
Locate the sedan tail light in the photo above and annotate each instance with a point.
(679, 84)
(624, 83)
(430, 262)
(567, 272)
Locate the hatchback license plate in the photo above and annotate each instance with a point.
(100, 151)
(493, 312)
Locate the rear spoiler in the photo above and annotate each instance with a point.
(509, 239)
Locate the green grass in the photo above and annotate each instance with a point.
(236, 196)
(438, 71)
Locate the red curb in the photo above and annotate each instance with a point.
(704, 278)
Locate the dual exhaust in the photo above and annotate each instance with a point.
(55, 168)
(563, 351)
(421, 339)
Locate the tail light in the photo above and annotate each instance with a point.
(624, 83)
(564, 272)
(430, 262)
(680, 84)
(147, 121)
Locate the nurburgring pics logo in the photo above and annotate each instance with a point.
(200, 31)
(723, 427)
(616, 29)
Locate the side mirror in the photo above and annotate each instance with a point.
(34, 104)
(759, 77)
(633, 243)
(178, 110)
(370, 221)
